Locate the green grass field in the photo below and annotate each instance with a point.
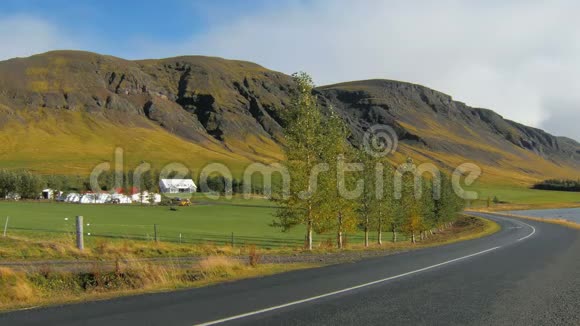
(199, 223)
(207, 222)
(520, 195)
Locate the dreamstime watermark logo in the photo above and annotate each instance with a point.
(378, 142)
(472, 172)
(417, 172)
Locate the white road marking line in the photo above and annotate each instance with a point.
(511, 218)
(257, 312)
(529, 235)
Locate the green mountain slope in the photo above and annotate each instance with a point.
(66, 111)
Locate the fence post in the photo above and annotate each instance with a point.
(233, 240)
(180, 238)
(80, 241)
(155, 230)
(6, 226)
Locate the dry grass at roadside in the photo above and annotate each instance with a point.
(15, 288)
(558, 221)
(25, 248)
(521, 207)
(20, 290)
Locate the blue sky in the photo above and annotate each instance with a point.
(519, 58)
(115, 26)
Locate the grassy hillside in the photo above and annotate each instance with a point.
(75, 142)
(64, 112)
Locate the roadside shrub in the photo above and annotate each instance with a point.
(327, 244)
(127, 274)
(254, 256)
(55, 283)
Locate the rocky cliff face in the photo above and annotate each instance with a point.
(233, 108)
(423, 116)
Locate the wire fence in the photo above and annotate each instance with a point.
(159, 233)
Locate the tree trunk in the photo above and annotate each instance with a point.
(309, 222)
(309, 236)
(366, 236)
(413, 237)
(380, 235)
(339, 233)
(394, 234)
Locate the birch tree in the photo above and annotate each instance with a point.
(387, 205)
(427, 203)
(410, 204)
(370, 209)
(304, 142)
(339, 208)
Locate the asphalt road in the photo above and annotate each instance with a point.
(526, 274)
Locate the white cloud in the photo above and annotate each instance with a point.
(509, 57)
(519, 58)
(22, 36)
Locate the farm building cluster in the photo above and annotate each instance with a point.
(120, 196)
(116, 198)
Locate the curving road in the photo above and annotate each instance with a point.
(526, 274)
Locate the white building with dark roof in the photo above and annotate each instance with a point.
(177, 186)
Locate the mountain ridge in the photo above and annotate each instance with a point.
(230, 110)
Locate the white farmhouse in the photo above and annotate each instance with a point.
(176, 186)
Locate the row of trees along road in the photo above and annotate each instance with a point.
(315, 200)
